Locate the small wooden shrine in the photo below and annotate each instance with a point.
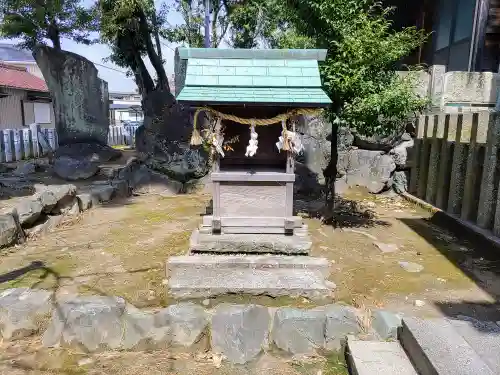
(253, 99)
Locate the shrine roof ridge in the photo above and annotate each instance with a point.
(262, 54)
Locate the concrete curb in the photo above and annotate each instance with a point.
(459, 227)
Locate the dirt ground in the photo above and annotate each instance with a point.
(121, 249)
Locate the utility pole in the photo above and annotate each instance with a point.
(207, 23)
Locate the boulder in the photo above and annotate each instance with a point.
(370, 169)
(400, 181)
(25, 169)
(299, 331)
(10, 230)
(73, 169)
(157, 184)
(402, 154)
(15, 187)
(102, 192)
(85, 201)
(91, 151)
(340, 322)
(45, 225)
(198, 185)
(239, 332)
(317, 147)
(22, 311)
(53, 197)
(121, 188)
(187, 322)
(182, 167)
(69, 207)
(29, 210)
(100, 322)
(80, 97)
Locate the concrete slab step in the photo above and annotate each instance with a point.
(207, 282)
(265, 262)
(376, 357)
(484, 337)
(436, 348)
(249, 244)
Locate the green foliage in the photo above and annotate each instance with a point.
(359, 73)
(35, 22)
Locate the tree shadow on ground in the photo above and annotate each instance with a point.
(477, 260)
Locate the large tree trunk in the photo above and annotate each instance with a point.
(79, 96)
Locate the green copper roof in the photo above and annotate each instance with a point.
(252, 76)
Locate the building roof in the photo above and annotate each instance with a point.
(18, 78)
(244, 76)
(9, 52)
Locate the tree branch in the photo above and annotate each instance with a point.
(153, 56)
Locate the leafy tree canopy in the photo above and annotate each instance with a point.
(37, 21)
(360, 74)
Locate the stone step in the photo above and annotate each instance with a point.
(436, 348)
(483, 337)
(265, 262)
(208, 282)
(299, 232)
(249, 243)
(377, 357)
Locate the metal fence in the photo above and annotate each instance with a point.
(34, 141)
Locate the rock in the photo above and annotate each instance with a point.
(97, 322)
(402, 154)
(75, 169)
(91, 152)
(186, 320)
(10, 229)
(121, 188)
(158, 184)
(377, 142)
(386, 324)
(22, 311)
(55, 197)
(25, 169)
(239, 332)
(5, 168)
(29, 210)
(102, 193)
(419, 303)
(400, 180)
(180, 162)
(370, 169)
(81, 106)
(71, 208)
(85, 201)
(411, 267)
(299, 331)
(199, 185)
(407, 136)
(317, 148)
(15, 187)
(340, 322)
(45, 225)
(386, 247)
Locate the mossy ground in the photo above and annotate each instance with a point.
(121, 248)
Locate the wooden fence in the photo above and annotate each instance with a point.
(33, 141)
(122, 135)
(456, 166)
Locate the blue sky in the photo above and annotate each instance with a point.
(117, 80)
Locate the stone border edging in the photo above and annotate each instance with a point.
(455, 224)
(239, 333)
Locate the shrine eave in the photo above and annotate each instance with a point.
(252, 96)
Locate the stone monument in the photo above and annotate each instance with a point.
(251, 242)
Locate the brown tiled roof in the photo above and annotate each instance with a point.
(18, 78)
